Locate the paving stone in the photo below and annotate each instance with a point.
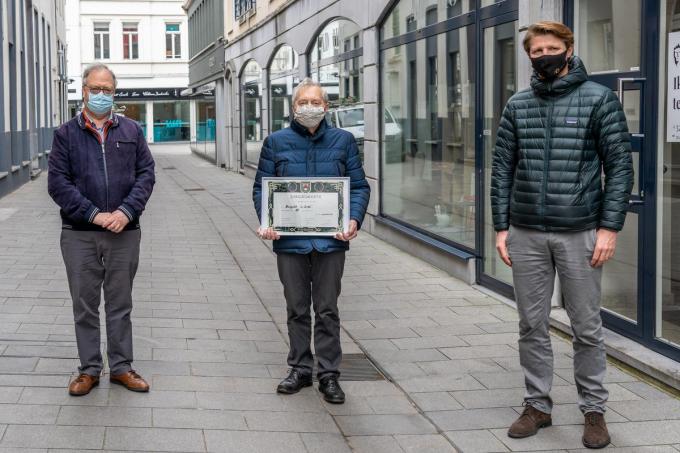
(122, 397)
(19, 414)
(104, 416)
(186, 355)
(154, 439)
(435, 401)
(253, 442)
(375, 444)
(478, 441)
(647, 410)
(368, 425)
(480, 352)
(199, 419)
(391, 404)
(646, 391)
(429, 443)
(48, 436)
(325, 443)
(306, 422)
(469, 419)
(429, 342)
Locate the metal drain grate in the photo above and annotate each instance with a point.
(357, 367)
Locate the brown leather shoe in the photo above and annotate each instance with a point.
(595, 433)
(83, 384)
(131, 381)
(529, 423)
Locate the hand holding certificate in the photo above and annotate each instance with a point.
(306, 207)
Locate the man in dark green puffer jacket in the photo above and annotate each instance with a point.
(552, 214)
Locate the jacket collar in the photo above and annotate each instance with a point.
(83, 119)
(564, 85)
(300, 129)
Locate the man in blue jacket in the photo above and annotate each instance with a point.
(101, 175)
(311, 268)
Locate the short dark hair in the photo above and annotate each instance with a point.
(98, 67)
(549, 27)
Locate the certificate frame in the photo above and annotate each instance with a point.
(311, 185)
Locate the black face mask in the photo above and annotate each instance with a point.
(548, 66)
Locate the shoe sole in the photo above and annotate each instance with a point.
(595, 447)
(332, 401)
(83, 394)
(285, 391)
(522, 436)
(131, 389)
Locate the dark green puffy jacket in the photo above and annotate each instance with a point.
(554, 141)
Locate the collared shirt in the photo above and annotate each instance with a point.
(100, 130)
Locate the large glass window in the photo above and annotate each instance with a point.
(336, 63)
(608, 34)
(101, 41)
(282, 80)
(130, 41)
(171, 121)
(428, 138)
(135, 111)
(251, 90)
(173, 47)
(205, 127)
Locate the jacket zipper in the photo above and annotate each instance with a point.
(546, 160)
(106, 174)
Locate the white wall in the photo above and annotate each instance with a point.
(152, 69)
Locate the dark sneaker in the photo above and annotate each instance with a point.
(529, 423)
(294, 382)
(331, 390)
(595, 433)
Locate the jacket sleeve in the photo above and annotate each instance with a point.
(134, 203)
(615, 152)
(503, 170)
(266, 168)
(359, 190)
(61, 185)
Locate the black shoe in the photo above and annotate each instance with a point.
(294, 382)
(331, 390)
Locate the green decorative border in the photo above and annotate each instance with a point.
(301, 187)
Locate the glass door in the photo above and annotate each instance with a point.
(500, 44)
(609, 39)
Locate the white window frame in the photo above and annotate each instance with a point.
(176, 44)
(130, 35)
(99, 52)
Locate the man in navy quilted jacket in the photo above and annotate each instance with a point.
(101, 174)
(311, 268)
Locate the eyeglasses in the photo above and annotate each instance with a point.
(97, 90)
(313, 103)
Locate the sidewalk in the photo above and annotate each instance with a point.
(210, 335)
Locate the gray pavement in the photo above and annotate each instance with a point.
(209, 326)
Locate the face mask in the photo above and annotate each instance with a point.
(100, 104)
(309, 116)
(548, 66)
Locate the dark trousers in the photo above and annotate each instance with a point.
(313, 280)
(94, 259)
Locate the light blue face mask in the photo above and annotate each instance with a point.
(100, 104)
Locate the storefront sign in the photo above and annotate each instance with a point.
(148, 93)
(673, 107)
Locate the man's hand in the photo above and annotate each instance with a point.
(351, 234)
(605, 245)
(501, 246)
(100, 218)
(268, 234)
(116, 221)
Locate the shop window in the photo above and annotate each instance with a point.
(283, 79)
(135, 111)
(251, 91)
(171, 121)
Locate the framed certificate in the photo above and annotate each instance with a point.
(305, 206)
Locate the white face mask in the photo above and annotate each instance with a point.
(309, 116)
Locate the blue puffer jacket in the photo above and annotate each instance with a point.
(293, 152)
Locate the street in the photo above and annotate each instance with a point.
(210, 336)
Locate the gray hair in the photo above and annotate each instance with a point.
(307, 83)
(98, 67)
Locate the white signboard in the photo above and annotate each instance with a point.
(673, 107)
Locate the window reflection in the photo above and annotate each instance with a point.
(252, 110)
(283, 80)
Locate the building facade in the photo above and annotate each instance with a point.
(421, 85)
(32, 86)
(146, 44)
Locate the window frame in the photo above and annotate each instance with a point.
(175, 41)
(129, 48)
(104, 47)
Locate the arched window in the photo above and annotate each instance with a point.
(251, 92)
(336, 63)
(283, 78)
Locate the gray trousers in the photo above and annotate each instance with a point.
(93, 259)
(535, 256)
(313, 279)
